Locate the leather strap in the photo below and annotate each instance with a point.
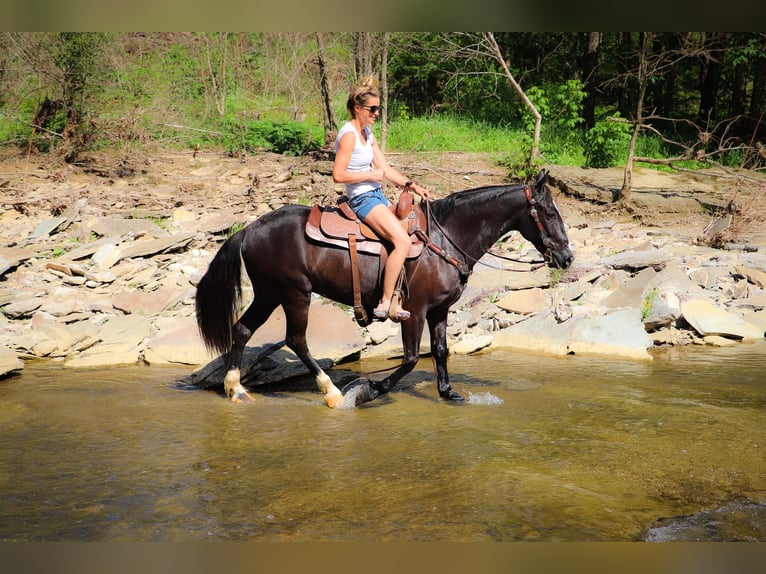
(359, 313)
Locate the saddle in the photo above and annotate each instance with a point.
(340, 227)
(334, 226)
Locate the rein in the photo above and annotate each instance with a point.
(463, 268)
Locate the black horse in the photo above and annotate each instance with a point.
(285, 267)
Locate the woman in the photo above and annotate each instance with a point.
(362, 166)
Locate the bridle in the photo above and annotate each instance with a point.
(463, 267)
(533, 201)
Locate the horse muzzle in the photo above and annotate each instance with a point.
(560, 259)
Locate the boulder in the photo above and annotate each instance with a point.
(9, 362)
(119, 340)
(709, 319)
(525, 301)
(332, 336)
(616, 334)
(471, 344)
(656, 258)
(180, 345)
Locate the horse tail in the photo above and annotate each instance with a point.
(218, 296)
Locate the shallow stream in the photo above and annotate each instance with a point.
(550, 449)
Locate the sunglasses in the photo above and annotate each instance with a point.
(373, 109)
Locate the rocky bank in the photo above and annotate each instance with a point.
(99, 263)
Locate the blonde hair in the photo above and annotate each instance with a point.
(367, 88)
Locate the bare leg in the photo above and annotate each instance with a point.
(387, 226)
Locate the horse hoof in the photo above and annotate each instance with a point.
(452, 396)
(334, 399)
(358, 392)
(240, 397)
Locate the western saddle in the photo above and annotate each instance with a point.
(339, 226)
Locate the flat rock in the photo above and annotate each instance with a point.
(118, 226)
(142, 248)
(147, 303)
(22, 307)
(47, 227)
(331, 333)
(541, 333)
(181, 345)
(119, 338)
(9, 362)
(755, 276)
(616, 334)
(656, 258)
(619, 333)
(708, 319)
(471, 344)
(525, 301)
(11, 257)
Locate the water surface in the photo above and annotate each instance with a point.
(552, 449)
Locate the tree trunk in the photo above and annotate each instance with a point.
(759, 87)
(589, 67)
(665, 97)
(495, 50)
(362, 54)
(328, 114)
(710, 76)
(217, 73)
(623, 196)
(624, 99)
(384, 89)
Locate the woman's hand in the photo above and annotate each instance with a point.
(421, 191)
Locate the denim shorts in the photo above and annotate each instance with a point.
(363, 203)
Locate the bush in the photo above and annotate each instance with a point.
(606, 144)
(285, 137)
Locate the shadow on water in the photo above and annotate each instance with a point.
(572, 448)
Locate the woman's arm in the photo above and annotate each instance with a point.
(391, 174)
(340, 173)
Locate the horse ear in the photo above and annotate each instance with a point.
(541, 178)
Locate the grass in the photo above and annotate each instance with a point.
(451, 134)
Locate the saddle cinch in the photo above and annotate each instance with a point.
(342, 228)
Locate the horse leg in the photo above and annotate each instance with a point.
(296, 308)
(439, 353)
(256, 315)
(363, 390)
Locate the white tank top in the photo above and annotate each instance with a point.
(361, 159)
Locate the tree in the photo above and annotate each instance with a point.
(328, 114)
(589, 69)
(76, 56)
(494, 50)
(371, 52)
(216, 63)
(623, 196)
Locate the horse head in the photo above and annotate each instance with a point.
(547, 231)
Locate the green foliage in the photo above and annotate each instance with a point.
(445, 93)
(285, 137)
(235, 228)
(557, 276)
(648, 303)
(606, 143)
(450, 133)
(560, 107)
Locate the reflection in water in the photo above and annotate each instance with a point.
(571, 448)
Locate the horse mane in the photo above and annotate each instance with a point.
(459, 200)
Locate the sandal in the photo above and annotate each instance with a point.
(391, 309)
